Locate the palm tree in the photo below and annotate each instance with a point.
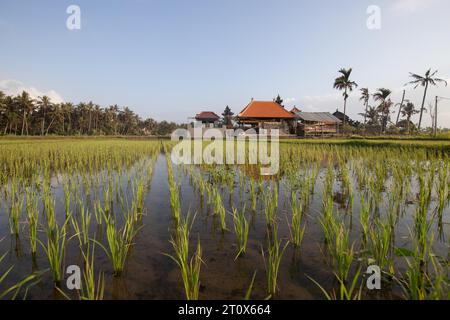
(67, 110)
(115, 110)
(425, 81)
(12, 117)
(90, 108)
(44, 104)
(26, 104)
(408, 111)
(343, 83)
(2, 103)
(365, 97)
(372, 116)
(97, 114)
(382, 96)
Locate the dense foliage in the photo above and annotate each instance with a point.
(22, 115)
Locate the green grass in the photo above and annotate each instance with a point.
(189, 267)
(119, 242)
(272, 261)
(297, 230)
(241, 229)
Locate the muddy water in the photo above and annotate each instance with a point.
(150, 274)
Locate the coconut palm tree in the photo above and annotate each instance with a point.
(115, 110)
(343, 83)
(44, 104)
(372, 116)
(67, 111)
(408, 111)
(365, 97)
(2, 104)
(425, 81)
(382, 96)
(26, 104)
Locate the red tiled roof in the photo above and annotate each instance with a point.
(207, 115)
(295, 110)
(265, 110)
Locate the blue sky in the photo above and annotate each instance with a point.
(169, 59)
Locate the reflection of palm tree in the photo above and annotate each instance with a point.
(382, 96)
(425, 81)
(343, 83)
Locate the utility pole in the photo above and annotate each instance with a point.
(435, 116)
(400, 109)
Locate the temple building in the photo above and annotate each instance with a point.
(266, 115)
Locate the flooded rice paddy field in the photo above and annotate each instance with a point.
(140, 227)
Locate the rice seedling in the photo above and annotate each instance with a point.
(91, 289)
(272, 262)
(49, 209)
(138, 198)
(174, 191)
(16, 208)
(82, 229)
(253, 194)
(350, 291)
(347, 184)
(16, 288)
(55, 249)
(99, 212)
(328, 220)
(419, 284)
(241, 228)
(119, 242)
(364, 218)
(219, 209)
(33, 218)
(342, 252)
(442, 188)
(380, 236)
(296, 229)
(248, 293)
(270, 198)
(190, 268)
(67, 198)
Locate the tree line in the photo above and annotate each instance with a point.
(23, 115)
(378, 114)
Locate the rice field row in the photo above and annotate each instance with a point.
(137, 226)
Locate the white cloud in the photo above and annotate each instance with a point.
(14, 87)
(290, 100)
(411, 6)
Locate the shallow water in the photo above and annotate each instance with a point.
(150, 274)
